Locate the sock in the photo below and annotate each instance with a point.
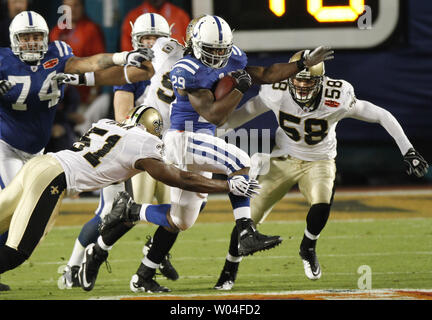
(240, 205)
(109, 237)
(315, 222)
(77, 254)
(231, 266)
(156, 214)
(163, 241)
(90, 231)
(233, 245)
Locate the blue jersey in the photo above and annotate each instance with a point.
(27, 111)
(191, 73)
(137, 88)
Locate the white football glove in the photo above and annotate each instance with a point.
(320, 54)
(239, 186)
(5, 86)
(133, 58)
(67, 78)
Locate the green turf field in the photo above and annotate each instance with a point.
(397, 250)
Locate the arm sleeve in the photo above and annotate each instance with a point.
(367, 111)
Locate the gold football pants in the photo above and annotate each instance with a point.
(30, 203)
(145, 188)
(315, 180)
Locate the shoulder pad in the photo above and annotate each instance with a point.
(60, 48)
(187, 65)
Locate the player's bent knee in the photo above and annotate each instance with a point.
(11, 258)
(182, 225)
(184, 216)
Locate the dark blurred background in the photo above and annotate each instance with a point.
(395, 73)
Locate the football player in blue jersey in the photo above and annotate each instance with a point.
(31, 86)
(190, 143)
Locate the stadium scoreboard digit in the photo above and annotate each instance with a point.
(277, 25)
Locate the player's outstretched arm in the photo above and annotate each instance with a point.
(367, 111)
(116, 76)
(105, 60)
(112, 76)
(281, 71)
(174, 177)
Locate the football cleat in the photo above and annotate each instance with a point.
(69, 278)
(143, 281)
(311, 265)
(124, 209)
(165, 267)
(227, 278)
(251, 241)
(90, 267)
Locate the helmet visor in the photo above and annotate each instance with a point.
(305, 89)
(31, 45)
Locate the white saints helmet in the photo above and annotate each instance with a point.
(148, 24)
(24, 23)
(212, 41)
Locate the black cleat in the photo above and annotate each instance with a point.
(166, 267)
(227, 276)
(124, 209)
(311, 265)
(251, 241)
(143, 281)
(88, 272)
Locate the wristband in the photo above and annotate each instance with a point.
(89, 79)
(300, 63)
(119, 58)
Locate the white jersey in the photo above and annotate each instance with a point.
(311, 135)
(107, 154)
(159, 93)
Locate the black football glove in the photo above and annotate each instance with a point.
(243, 79)
(5, 86)
(415, 163)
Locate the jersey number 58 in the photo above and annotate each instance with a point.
(315, 129)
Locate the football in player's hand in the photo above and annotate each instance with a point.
(224, 86)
